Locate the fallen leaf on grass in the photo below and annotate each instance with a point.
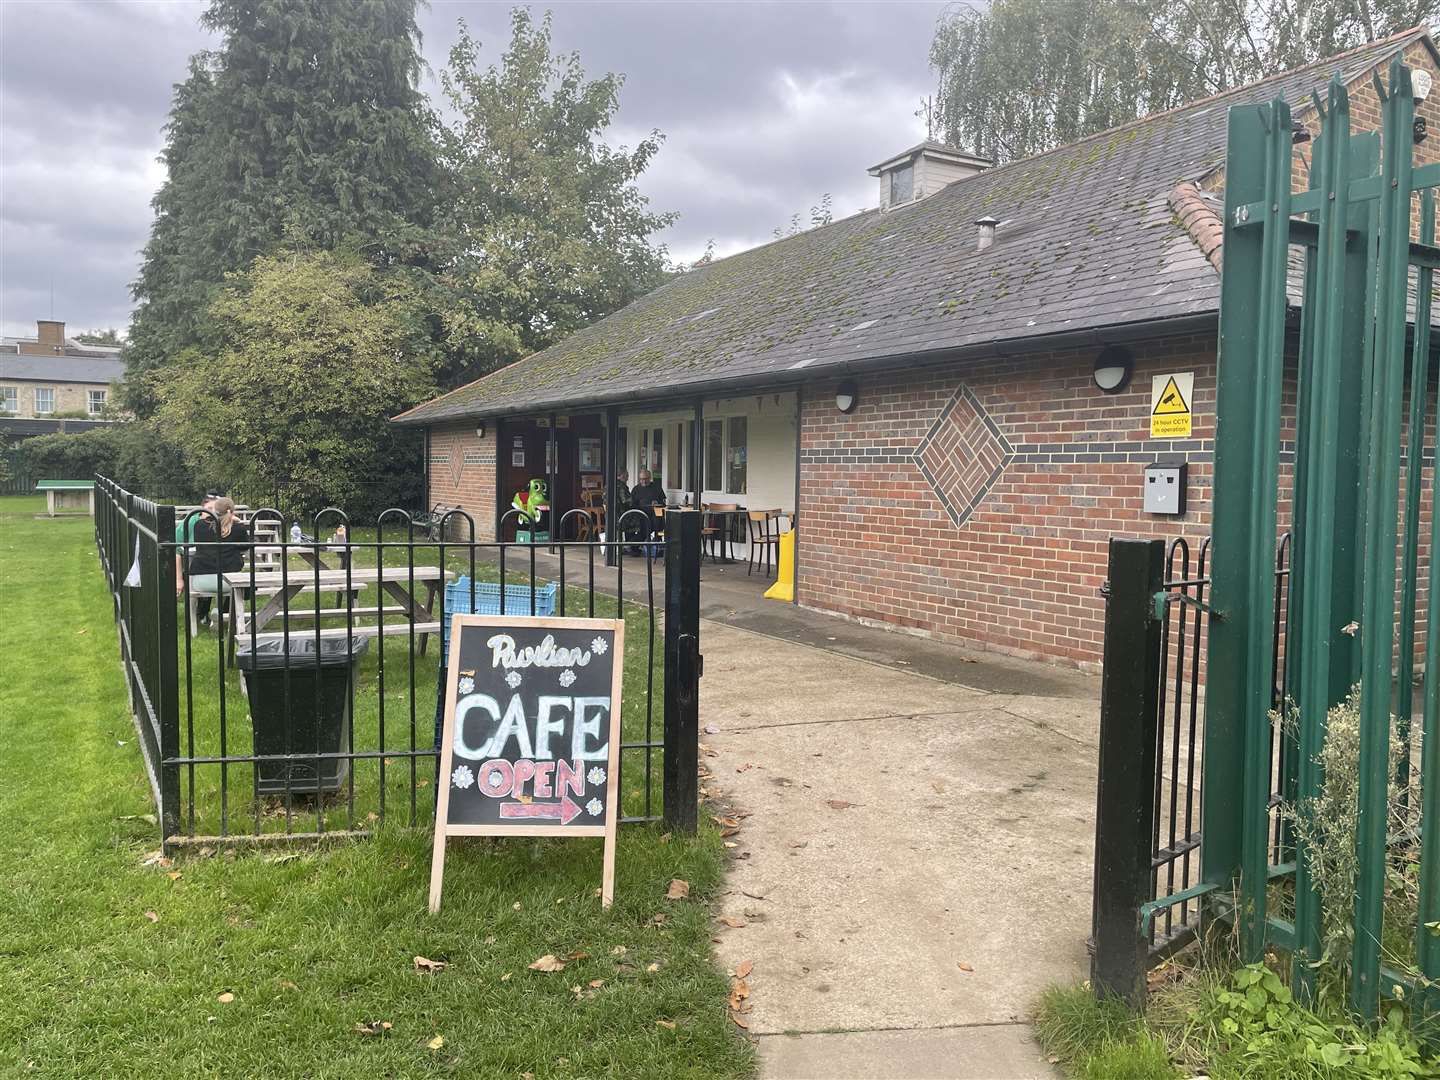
(725, 822)
(839, 804)
(595, 984)
(652, 968)
(965, 967)
(668, 1025)
(435, 1043)
(286, 984)
(731, 921)
(155, 858)
(152, 916)
(226, 998)
(173, 875)
(744, 968)
(578, 954)
(679, 889)
(374, 1027)
(548, 962)
(149, 819)
(205, 852)
(506, 976)
(619, 950)
(82, 630)
(658, 919)
(425, 964)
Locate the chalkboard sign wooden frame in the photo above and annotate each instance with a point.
(465, 628)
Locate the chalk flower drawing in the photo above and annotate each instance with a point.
(513, 678)
(599, 646)
(567, 677)
(596, 775)
(495, 780)
(593, 807)
(466, 685)
(462, 776)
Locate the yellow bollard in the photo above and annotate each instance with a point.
(784, 587)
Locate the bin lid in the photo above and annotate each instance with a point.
(271, 652)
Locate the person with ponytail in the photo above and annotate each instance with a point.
(220, 543)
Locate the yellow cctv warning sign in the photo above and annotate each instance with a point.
(1170, 405)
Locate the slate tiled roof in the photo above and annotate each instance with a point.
(1087, 240)
(61, 368)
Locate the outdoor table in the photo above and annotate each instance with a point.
(727, 531)
(68, 496)
(311, 554)
(283, 587)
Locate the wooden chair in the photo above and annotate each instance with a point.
(715, 526)
(764, 538)
(591, 524)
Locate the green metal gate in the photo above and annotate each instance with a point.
(1362, 392)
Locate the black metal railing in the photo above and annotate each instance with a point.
(1147, 869)
(307, 699)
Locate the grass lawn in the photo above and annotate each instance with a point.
(112, 968)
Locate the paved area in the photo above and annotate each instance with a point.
(912, 861)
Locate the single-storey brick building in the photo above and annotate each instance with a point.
(994, 334)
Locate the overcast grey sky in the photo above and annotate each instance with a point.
(765, 106)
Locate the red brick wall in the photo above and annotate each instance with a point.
(1037, 466)
(462, 473)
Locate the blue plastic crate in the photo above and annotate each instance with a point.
(487, 602)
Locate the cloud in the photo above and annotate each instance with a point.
(765, 107)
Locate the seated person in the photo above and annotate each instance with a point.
(647, 494)
(220, 546)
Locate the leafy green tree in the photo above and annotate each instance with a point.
(1022, 76)
(315, 351)
(305, 127)
(547, 227)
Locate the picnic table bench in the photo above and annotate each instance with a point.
(282, 588)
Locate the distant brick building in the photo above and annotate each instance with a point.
(51, 374)
(971, 487)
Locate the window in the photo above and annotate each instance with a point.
(9, 399)
(735, 459)
(902, 184)
(715, 455)
(95, 401)
(44, 401)
(657, 455)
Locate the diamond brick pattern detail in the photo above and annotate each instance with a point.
(962, 455)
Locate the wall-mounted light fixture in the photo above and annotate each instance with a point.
(847, 396)
(1420, 83)
(1113, 368)
(480, 430)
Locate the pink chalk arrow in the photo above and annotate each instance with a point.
(565, 810)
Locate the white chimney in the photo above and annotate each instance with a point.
(923, 170)
(986, 237)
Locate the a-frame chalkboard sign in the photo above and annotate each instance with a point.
(531, 740)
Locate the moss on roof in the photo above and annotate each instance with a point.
(1077, 248)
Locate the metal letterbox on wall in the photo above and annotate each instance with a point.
(1165, 489)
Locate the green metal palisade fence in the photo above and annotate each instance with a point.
(1355, 563)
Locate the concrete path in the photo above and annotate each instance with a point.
(912, 865)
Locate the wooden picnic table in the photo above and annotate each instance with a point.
(282, 589)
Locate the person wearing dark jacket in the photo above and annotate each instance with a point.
(647, 495)
(220, 544)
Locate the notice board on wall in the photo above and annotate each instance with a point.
(531, 739)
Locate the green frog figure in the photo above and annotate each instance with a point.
(531, 503)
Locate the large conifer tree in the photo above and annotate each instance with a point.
(305, 126)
